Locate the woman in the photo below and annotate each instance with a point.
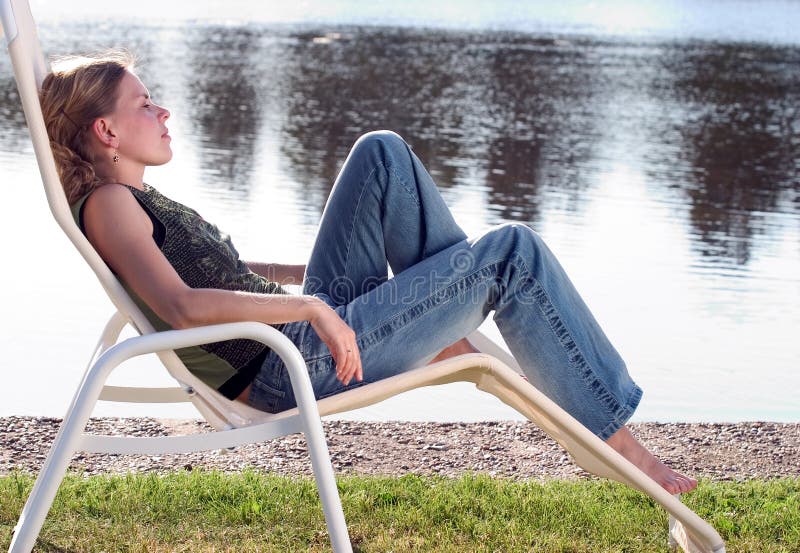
(352, 324)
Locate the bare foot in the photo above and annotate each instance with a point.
(622, 441)
(629, 447)
(459, 348)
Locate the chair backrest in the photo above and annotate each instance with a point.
(30, 69)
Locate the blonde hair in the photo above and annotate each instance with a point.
(76, 92)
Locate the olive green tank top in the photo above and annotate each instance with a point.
(204, 257)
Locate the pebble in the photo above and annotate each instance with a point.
(519, 450)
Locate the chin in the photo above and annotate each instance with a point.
(164, 159)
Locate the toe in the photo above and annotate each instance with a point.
(671, 484)
(686, 484)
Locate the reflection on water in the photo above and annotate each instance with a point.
(741, 145)
(225, 108)
(692, 146)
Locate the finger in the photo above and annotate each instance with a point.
(341, 363)
(349, 366)
(353, 364)
(359, 367)
(344, 368)
(337, 358)
(357, 373)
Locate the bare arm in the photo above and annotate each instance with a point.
(122, 234)
(282, 274)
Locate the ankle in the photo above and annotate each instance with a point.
(624, 443)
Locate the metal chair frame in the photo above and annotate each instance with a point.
(236, 423)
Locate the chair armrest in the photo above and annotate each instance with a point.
(168, 340)
(175, 339)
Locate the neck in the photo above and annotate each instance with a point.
(122, 173)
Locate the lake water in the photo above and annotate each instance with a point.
(656, 148)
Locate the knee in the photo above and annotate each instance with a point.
(381, 139)
(517, 232)
(518, 237)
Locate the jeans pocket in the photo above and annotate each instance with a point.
(266, 393)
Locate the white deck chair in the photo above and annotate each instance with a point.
(236, 423)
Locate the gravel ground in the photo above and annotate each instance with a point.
(508, 449)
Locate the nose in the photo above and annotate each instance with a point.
(164, 115)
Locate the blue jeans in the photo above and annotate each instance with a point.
(384, 210)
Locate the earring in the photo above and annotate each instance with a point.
(116, 157)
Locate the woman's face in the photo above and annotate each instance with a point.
(140, 125)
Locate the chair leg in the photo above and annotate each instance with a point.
(47, 483)
(595, 456)
(70, 435)
(55, 466)
(328, 492)
(320, 461)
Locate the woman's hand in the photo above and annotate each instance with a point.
(340, 339)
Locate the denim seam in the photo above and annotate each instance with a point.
(408, 189)
(440, 297)
(623, 415)
(382, 328)
(364, 186)
(355, 215)
(575, 355)
(323, 363)
(264, 387)
(342, 388)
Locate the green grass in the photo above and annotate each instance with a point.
(211, 511)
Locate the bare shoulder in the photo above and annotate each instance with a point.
(111, 211)
(111, 198)
(122, 233)
(118, 227)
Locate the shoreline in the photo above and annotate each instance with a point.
(511, 449)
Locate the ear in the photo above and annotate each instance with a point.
(102, 130)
